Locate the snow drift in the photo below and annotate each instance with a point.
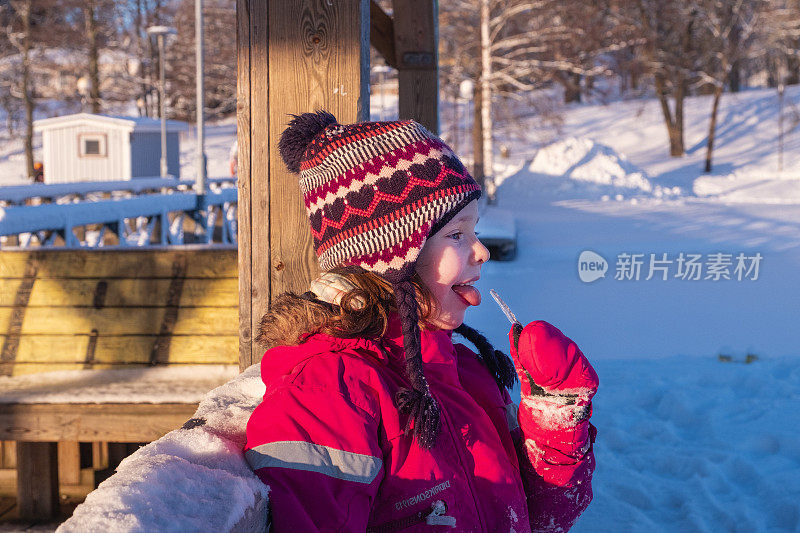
(593, 169)
(192, 479)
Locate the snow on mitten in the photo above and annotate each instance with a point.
(558, 384)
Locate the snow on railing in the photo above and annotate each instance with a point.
(18, 194)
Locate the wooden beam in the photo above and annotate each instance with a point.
(92, 351)
(122, 292)
(9, 454)
(113, 264)
(320, 53)
(260, 164)
(416, 48)
(381, 33)
(115, 453)
(99, 455)
(303, 56)
(91, 422)
(37, 480)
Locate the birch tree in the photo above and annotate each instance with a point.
(22, 40)
(779, 39)
(28, 25)
(524, 45)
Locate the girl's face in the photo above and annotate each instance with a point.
(453, 256)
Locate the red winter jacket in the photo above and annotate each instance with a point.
(329, 442)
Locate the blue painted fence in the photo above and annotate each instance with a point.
(133, 218)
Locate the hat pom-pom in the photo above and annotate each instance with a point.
(302, 129)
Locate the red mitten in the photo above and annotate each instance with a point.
(556, 458)
(558, 384)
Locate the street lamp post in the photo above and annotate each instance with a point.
(160, 32)
(200, 183)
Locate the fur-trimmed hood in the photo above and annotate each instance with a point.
(292, 316)
(288, 319)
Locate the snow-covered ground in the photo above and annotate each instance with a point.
(686, 442)
(692, 444)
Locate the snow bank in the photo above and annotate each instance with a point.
(192, 479)
(593, 169)
(748, 187)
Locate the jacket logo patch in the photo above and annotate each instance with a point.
(422, 496)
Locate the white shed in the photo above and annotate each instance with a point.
(86, 147)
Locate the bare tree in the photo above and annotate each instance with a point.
(779, 39)
(220, 59)
(23, 42)
(670, 30)
(99, 17)
(486, 101)
(28, 25)
(459, 52)
(146, 13)
(728, 30)
(519, 46)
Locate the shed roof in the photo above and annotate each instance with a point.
(138, 124)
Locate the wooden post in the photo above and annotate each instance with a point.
(244, 222)
(117, 451)
(9, 455)
(381, 33)
(295, 56)
(37, 480)
(69, 462)
(416, 41)
(99, 455)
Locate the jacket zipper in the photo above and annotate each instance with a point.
(434, 515)
(467, 474)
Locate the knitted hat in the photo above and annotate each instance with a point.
(374, 192)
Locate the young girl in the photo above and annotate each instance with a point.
(373, 419)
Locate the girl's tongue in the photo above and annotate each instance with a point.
(468, 293)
